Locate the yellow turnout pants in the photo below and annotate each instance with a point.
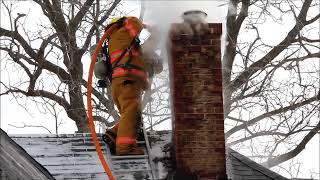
(126, 94)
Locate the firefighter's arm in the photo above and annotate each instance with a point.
(151, 58)
(151, 44)
(153, 63)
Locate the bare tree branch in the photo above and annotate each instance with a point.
(33, 126)
(268, 114)
(243, 77)
(289, 155)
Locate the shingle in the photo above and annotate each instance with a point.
(16, 163)
(73, 156)
(66, 156)
(243, 166)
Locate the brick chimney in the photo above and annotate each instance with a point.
(196, 89)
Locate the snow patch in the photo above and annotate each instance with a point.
(159, 141)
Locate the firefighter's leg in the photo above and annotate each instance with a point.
(115, 95)
(114, 129)
(110, 138)
(129, 98)
(111, 134)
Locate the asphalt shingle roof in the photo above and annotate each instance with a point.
(73, 156)
(16, 163)
(240, 167)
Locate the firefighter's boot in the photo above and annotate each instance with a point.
(110, 138)
(125, 149)
(140, 134)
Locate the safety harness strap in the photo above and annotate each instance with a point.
(124, 71)
(128, 49)
(115, 55)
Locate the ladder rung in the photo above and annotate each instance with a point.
(131, 170)
(130, 157)
(121, 164)
(131, 160)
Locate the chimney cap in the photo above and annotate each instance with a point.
(195, 12)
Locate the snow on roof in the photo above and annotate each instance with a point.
(238, 166)
(74, 156)
(65, 156)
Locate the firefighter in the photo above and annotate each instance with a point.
(129, 79)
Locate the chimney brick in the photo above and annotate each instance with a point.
(198, 129)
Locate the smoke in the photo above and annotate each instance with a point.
(163, 13)
(193, 25)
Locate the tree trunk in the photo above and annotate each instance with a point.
(76, 95)
(229, 55)
(83, 126)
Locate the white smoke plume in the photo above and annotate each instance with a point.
(193, 25)
(163, 13)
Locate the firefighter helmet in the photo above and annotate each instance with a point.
(115, 19)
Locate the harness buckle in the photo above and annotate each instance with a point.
(125, 66)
